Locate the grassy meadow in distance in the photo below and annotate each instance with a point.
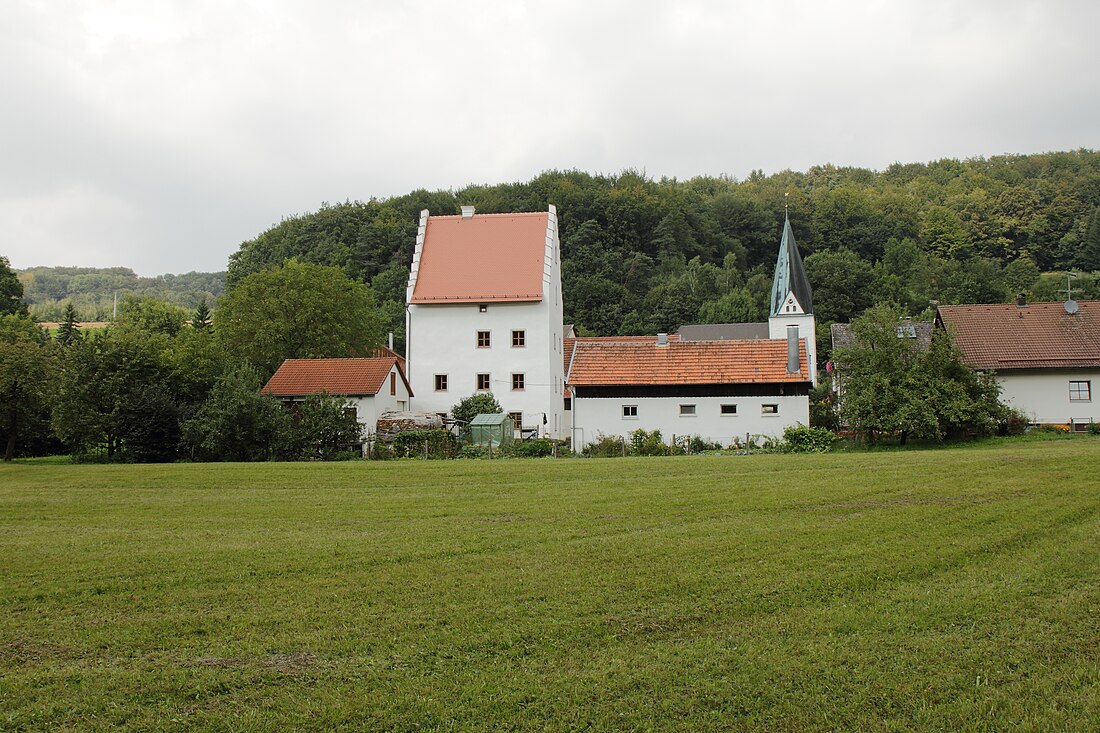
(954, 589)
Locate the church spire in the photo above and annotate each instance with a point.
(790, 277)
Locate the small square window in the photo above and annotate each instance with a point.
(729, 409)
(687, 410)
(769, 409)
(1080, 391)
(630, 411)
(482, 382)
(483, 339)
(482, 307)
(440, 382)
(517, 420)
(519, 338)
(518, 381)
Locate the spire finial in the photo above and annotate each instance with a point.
(786, 201)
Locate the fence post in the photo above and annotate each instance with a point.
(425, 449)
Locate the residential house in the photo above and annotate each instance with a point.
(484, 314)
(1046, 356)
(370, 386)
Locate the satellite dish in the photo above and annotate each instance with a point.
(1071, 306)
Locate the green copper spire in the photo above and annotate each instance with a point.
(790, 277)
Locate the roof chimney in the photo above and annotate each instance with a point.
(467, 212)
(1021, 300)
(662, 339)
(792, 350)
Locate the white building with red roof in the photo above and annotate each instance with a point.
(728, 391)
(370, 386)
(484, 314)
(1046, 356)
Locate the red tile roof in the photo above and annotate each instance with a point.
(488, 257)
(569, 343)
(1037, 336)
(598, 363)
(352, 377)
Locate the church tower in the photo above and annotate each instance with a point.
(792, 299)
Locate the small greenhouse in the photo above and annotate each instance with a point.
(491, 428)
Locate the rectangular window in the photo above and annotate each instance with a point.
(769, 409)
(729, 409)
(440, 382)
(393, 383)
(568, 403)
(517, 420)
(519, 338)
(482, 307)
(483, 339)
(1080, 391)
(518, 382)
(687, 410)
(630, 411)
(482, 382)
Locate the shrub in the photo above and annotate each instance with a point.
(606, 446)
(696, 444)
(1094, 428)
(534, 448)
(475, 405)
(411, 444)
(1014, 422)
(804, 439)
(643, 443)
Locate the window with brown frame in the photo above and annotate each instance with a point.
(518, 382)
(517, 420)
(484, 340)
(482, 382)
(440, 382)
(519, 338)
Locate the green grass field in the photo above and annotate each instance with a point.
(930, 590)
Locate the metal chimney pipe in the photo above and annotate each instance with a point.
(793, 366)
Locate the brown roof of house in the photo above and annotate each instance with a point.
(1037, 336)
(300, 377)
(683, 362)
(488, 257)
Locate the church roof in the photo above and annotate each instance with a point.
(484, 258)
(790, 275)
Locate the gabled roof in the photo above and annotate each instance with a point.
(606, 363)
(483, 258)
(1036, 336)
(843, 337)
(569, 343)
(723, 331)
(350, 377)
(790, 276)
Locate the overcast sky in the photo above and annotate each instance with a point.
(159, 135)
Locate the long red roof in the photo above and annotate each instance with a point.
(1036, 336)
(607, 363)
(485, 258)
(351, 377)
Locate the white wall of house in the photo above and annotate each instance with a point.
(807, 332)
(1044, 395)
(442, 340)
(593, 416)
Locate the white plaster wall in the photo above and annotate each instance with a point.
(807, 332)
(370, 407)
(1044, 396)
(595, 415)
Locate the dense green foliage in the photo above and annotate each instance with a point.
(482, 403)
(948, 590)
(892, 386)
(297, 310)
(27, 364)
(806, 439)
(641, 256)
(11, 290)
(237, 422)
(92, 290)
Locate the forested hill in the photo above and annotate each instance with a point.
(643, 255)
(91, 290)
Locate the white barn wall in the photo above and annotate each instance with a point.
(1044, 395)
(593, 416)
